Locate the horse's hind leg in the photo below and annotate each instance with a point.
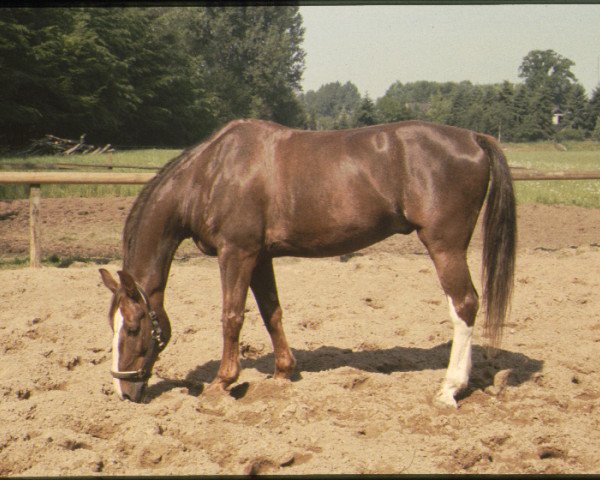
(236, 270)
(265, 291)
(453, 272)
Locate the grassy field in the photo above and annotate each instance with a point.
(547, 157)
(142, 158)
(538, 156)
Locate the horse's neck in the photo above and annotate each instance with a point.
(149, 254)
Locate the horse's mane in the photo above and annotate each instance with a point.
(133, 219)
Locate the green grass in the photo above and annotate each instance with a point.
(546, 157)
(141, 158)
(10, 262)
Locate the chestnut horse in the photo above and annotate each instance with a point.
(256, 190)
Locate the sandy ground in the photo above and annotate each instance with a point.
(371, 339)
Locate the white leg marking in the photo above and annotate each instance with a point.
(459, 366)
(118, 325)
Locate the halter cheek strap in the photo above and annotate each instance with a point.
(157, 343)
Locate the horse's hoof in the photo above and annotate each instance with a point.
(444, 400)
(215, 389)
(280, 375)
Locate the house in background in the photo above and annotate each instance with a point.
(557, 115)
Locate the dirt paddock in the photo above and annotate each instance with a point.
(371, 337)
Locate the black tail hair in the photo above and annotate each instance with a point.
(499, 245)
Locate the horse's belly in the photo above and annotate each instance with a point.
(334, 239)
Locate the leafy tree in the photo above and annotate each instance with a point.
(408, 101)
(161, 76)
(393, 106)
(440, 108)
(342, 121)
(252, 60)
(546, 69)
(333, 105)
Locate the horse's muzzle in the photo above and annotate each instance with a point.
(132, 391)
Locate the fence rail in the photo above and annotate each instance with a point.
(36, 179)
(16, 167)
(77, 178)
(124, 178)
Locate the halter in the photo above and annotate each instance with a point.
(157, 343)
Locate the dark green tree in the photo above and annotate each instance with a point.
(505, 102)
(576, 109)
(157, 76)
(176, 108)
(365, 115)
(593, 108)
(526, 127)
(252, 60)
(33, 90)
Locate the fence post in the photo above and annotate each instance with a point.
(35, 249)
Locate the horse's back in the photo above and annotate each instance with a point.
(328, 192)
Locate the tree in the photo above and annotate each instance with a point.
(504, 111)
(332, 106)
(596, 131)
(440, 108)
(392, 107)
(29, 71)
(546, 69)
(365, 115)
(176, 107)
(526, 126)
(252, 60)
(159, 76)
(576, 111)
(463, 99)
(407, 101)
(593, 108)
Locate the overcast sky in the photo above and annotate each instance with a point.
(374, 46)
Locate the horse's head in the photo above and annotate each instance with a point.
(137, 335)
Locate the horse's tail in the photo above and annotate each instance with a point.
(499, 244)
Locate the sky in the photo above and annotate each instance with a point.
(374, 46)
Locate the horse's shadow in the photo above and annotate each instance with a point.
(386, 361)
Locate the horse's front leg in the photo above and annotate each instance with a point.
(236, 271)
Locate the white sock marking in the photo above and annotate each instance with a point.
(459, 366)
(118, 325)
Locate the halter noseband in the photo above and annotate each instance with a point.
(157, 343)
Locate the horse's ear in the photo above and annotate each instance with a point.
(128, 283)
(108, 280)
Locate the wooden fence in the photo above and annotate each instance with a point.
(36, 179)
